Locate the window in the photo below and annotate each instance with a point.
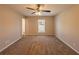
(41, 25)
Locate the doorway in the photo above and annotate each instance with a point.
(23, 26)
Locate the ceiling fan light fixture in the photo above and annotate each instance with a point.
(38, 13)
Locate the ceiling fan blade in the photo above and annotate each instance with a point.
(30, 8)
(45, 10)
(33, 12)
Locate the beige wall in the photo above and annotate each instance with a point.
(10, 27)
(32, 25)
(67, 27)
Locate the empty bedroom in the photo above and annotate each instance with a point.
(39, 29)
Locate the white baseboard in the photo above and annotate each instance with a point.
(68, 44)
(10, 44)
(39, 35)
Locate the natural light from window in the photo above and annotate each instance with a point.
(41, 25)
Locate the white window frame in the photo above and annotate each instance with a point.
(41, 25)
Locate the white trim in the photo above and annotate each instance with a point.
(67, 44)
(38, 34)
(10, 44)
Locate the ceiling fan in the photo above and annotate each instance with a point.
(37, 11)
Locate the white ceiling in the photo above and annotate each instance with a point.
(55, 8)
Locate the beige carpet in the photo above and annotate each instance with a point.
(38, 45)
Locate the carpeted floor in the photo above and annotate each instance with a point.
(38, 45)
